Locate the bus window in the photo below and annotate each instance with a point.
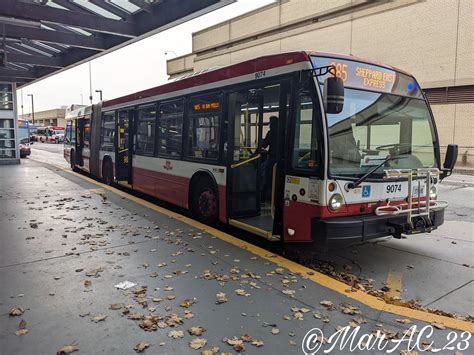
(145, 135)
(87, 132)
(107, 132)
(170, 129)
(305, 142)
(246, 106)
(203, 135)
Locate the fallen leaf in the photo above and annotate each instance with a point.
(68, 349)
(275, 331)
(98, 318)
(140, 347)
(197, 343)
(257, 343)
(328, 304)
(241, 292)
(175, 334)
(136, 316)
(188, 314)
(196, 331)
(438, 326)
(116, 306)
(221, 298)
(21, 332)
(16, 311)
(187, 303)
(403, 321)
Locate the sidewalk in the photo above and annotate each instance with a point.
(65, 242)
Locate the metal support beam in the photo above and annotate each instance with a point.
(169, 12)
(143, 5)
(26, 74)
(53, 62)
(33, 45)
(112, 9)
(13, 79)
(48, 36)
(46, 14)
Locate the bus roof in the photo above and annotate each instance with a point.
(233, 71)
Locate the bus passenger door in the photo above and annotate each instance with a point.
(254, 155)
(123, 159)
(79, 141)
(246, 111)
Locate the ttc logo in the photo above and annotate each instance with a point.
(366, 191)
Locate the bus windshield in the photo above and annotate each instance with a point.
(384, 115)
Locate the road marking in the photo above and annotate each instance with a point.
(317, 277)
(394, 283)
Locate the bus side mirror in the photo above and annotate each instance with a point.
(333, 95)
(449, 160)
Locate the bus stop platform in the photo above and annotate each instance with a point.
(70, 248)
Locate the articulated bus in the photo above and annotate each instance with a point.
(298, 147)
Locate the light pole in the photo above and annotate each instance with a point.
(32, 109)
(100, 94)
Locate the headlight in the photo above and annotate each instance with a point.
(433, 193)
(335, 202)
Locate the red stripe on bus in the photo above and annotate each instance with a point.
(171, 188)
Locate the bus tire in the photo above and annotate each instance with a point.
(107, 172)
(204, 200)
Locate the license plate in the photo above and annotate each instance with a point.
(418, 191)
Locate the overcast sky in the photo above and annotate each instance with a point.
(136, 67)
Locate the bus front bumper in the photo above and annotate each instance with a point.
(353, 229)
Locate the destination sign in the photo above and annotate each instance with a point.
(206, 106)
(365, 76)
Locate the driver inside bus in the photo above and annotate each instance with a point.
(270, 142)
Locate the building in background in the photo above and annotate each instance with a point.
(433, 40)
(54, 117)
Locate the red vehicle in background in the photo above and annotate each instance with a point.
(50, 134)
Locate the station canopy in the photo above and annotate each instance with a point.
(39, 38)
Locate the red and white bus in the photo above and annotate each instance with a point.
(352, 153)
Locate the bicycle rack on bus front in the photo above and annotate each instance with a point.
(413, 208)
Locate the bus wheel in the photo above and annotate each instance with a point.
(204, 202)
(107, 173)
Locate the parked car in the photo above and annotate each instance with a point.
(25, 148)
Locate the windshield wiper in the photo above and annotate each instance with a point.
(353, 185)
